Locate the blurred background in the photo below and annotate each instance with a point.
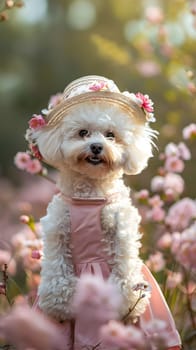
(143, 45)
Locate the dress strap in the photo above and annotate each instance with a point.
(91, 200)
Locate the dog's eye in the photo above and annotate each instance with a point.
(83, 132)
(110, 135)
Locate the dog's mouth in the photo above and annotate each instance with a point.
(95, 160)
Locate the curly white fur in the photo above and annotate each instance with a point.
(128, 152)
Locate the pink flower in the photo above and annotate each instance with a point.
(145, 102)
(55, 100)
(190, 288)
(35, 151)
(165, 241)
(185, 154)
(36, 254)
(157, 214)
(176, 236)
(155, 201)
(24, 219)
(34, 166)
(143, 194)
(157, 332)
(185, 249)
(36, 122)
(132, 97)
(180, 214)
(115, 334)
(26, 328)
(173, 184)
(28, 262)
(98, 86)
(21, 160)
(170, 196)
(174, 164)
(96, 299)
(171, 149)
(173, 279)
(189, 131)
(148, 68)
(154, 15)
(156, 262)
(157, 183)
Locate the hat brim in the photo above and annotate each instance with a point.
(113, 98)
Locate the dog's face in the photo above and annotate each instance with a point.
(97, 142)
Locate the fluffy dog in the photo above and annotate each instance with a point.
(93, 136)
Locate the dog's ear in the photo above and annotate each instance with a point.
(139, 151)
(49, 144)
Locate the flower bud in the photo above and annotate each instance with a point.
(24, 219)
(36, 254)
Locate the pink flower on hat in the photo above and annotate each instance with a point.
(98, 86)
(146, 102)
(34, 166)
(37, 121)
(21, 160)
(36, 254)
(55, 100)
(35, 151)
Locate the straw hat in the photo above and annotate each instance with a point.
(98, 89)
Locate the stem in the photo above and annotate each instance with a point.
(92, 347)
(132, 308)
(96, 346)
(124, 317)
(5, 279)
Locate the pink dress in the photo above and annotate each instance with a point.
(89, 257)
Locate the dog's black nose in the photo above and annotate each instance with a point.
(96, 148)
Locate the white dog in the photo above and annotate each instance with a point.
(93, 136)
